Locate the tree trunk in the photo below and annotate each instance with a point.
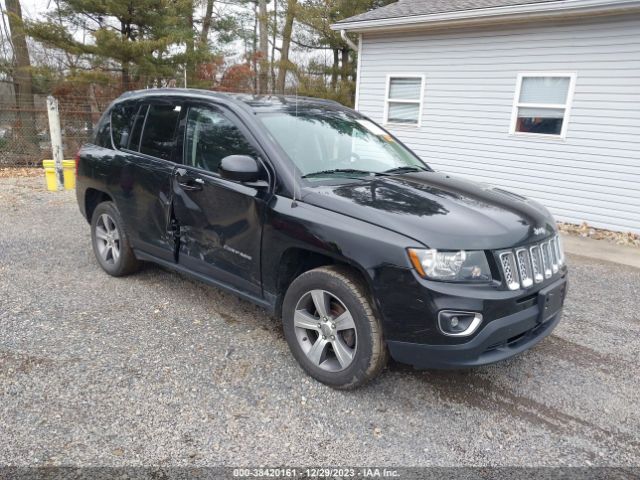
(274, 36)
(126, 82)
(22, 80)
(344, 73)
(263, 20)
(286, 45)
(125, 33)
(206, 24)
(190, 47)
(254, 56)
(335, 68)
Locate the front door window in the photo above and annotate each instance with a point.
(210, 137)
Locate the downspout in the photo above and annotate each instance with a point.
(348, 41)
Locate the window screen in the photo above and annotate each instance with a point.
(210, 137)
(159, 138)
(404, 88)
(542, 104)
(404, 100)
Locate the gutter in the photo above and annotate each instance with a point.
(527, 12)
(348, 41)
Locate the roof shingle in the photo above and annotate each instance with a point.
(409, 8)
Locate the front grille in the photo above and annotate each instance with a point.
(525, 267)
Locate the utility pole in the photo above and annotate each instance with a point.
(56, 138)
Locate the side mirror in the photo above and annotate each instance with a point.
(240, 168)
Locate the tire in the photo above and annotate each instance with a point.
(110, 241)
(345, 358)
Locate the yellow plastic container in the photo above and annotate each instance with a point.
(69, 173)
(50, 174)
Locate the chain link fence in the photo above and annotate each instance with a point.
(24, 126)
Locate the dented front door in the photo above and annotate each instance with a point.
(219, 221)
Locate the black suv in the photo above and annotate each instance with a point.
(323, 218)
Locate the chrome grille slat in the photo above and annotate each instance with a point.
(508, 262)
(546, 259)
(536, 261)
(526, 266)
(559, 254)
(555, 262)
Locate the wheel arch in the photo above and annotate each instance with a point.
(295, 261)
(92, 198)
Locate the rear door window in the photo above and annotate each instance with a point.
(159, 135)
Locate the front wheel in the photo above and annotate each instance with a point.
(331, 328)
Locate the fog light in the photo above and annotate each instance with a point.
(458, 324)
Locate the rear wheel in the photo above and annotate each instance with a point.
(110, 242)
(331, 328)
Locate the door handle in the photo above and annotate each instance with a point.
(191, 185)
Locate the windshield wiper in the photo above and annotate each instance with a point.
(337, 170)
(406, 169)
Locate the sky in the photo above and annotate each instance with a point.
(32, 8)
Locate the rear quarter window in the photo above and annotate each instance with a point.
(102, 136)
(136, 130)
(122, 117)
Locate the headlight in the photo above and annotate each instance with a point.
(461, 266)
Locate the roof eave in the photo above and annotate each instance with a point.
(526, 12)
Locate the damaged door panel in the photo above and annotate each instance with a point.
(218, 223)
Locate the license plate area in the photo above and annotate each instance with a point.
(550, 300)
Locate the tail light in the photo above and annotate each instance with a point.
(77, 162)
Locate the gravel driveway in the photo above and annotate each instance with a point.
(158, 369)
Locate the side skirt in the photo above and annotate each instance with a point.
(270, 306)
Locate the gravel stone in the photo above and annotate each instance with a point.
(156, 369)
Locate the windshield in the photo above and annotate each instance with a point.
(325, 144)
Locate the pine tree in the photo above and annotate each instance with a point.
(139, 39)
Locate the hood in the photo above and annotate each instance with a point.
(438, 210)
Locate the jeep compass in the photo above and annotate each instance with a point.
(317, 214)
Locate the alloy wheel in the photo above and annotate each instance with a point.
(107, 239)
(325, 330)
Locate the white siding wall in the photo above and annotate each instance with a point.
(593, 175)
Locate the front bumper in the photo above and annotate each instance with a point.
(500, 339)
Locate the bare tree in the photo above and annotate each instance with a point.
(206, 23)
(263, 21)
(274, 38)
(286, 45)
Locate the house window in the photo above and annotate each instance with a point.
(542, 104)
(403, 103)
